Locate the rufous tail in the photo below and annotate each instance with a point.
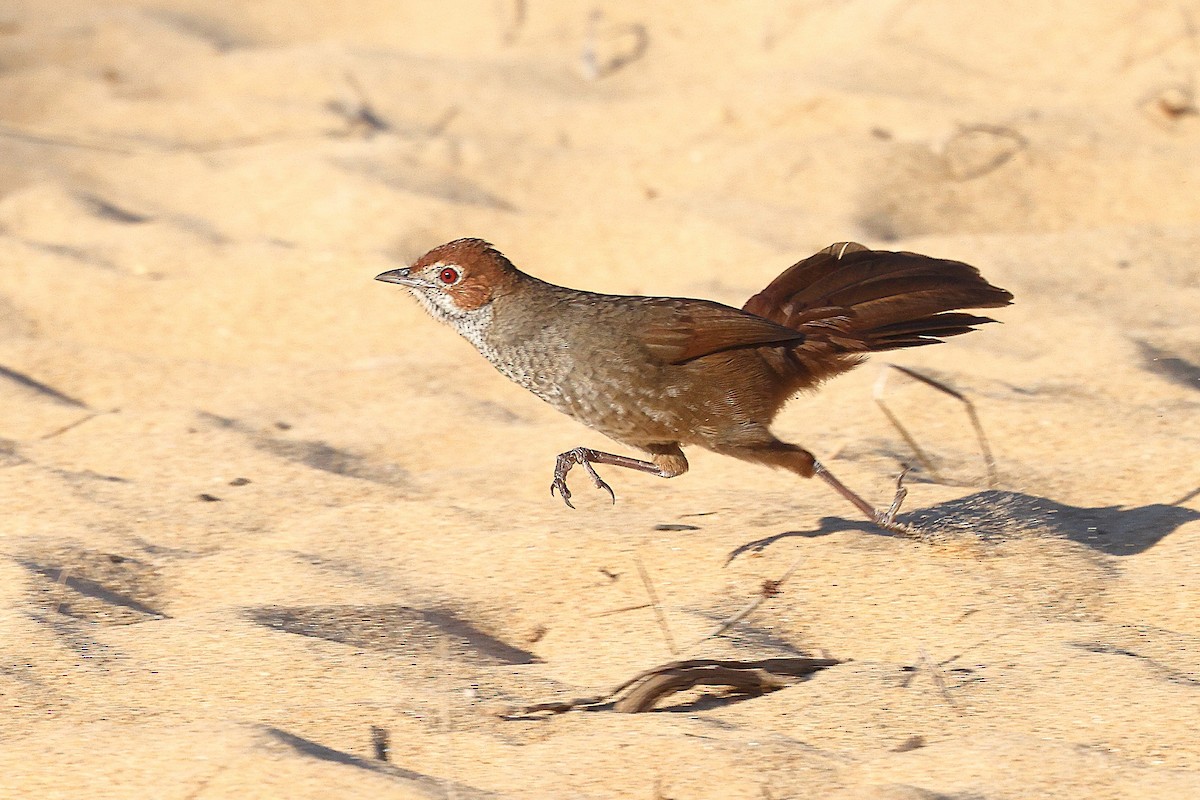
(850, 299)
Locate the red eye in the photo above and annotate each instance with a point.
(448, 275)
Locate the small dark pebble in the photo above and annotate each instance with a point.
(208, 498)
(380, 742)
(911, 743)
(675, 526)
(239, 481)
(283, 426)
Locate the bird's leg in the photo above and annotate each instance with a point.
(663, 465)
(770, 451)
(884, 519)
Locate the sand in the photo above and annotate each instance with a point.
(261, 517)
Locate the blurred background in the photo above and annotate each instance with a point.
(207, 405)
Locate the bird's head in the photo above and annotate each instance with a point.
(458, 280)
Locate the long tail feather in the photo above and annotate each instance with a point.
(852, 299)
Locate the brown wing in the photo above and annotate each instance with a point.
(676, 331)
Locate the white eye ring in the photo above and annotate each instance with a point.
(449, 276)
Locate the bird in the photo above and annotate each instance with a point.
(657, 374)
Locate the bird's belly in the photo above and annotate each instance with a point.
(687, 403)
(618, 394)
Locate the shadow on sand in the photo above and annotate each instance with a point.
(995, 515)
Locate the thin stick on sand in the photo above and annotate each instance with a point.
(770, 588)
(658, 612)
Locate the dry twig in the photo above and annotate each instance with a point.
(644, 690)
(770, 588)
(658, 612)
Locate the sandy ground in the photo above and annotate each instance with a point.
(256, 506)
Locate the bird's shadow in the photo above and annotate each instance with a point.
(995, 515)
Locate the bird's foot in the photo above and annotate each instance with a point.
(582, 457)
(887, 519)
(884, 519)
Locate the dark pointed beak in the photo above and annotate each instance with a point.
(401, 276)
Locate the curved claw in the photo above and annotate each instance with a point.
(560, 485)
(568, 460)
(598, 481)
